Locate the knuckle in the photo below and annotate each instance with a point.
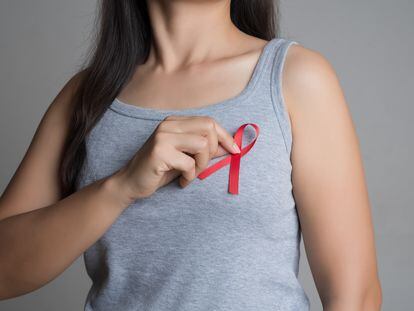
(215, 149)
(158, 170)
(189, 164)
(204, 142)
(168, 118)
(209, 122)
(162, 126)
(160, 167)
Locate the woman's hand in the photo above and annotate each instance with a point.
(179, 145)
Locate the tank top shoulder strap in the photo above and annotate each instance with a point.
(272, 80)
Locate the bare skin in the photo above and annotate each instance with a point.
(329, 185)
(44, 233)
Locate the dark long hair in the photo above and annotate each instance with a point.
(122, 40)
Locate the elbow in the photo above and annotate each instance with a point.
(10, 287)
(372, 300)
(5, 288)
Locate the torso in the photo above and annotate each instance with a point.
(200, 247)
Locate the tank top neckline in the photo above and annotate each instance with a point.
(135, 111)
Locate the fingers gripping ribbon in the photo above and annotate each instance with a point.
(233, 159)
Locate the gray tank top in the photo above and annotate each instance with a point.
(201, 247)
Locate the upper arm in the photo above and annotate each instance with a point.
(35, 183)
(328, 178)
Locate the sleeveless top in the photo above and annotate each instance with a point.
(201, 247)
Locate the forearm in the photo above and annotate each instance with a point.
(369, 300)
(37, 246)
(349, 306)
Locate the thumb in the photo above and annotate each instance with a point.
(220, 152)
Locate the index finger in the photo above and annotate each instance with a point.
(225, 139)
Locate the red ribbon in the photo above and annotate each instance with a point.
(232, 159)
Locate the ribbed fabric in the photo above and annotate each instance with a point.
(200, 247)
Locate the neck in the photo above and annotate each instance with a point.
(188, 32)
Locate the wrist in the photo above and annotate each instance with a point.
(117, 187)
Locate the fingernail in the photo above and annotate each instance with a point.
(236, 148)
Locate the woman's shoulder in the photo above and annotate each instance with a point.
(308, 71)
(309, 80)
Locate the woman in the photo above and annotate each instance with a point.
(112, 170)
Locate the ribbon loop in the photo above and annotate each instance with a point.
(233, 159)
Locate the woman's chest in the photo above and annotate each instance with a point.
(205, 207)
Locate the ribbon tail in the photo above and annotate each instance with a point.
(234, 174)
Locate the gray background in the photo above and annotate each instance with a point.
(369, 44)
